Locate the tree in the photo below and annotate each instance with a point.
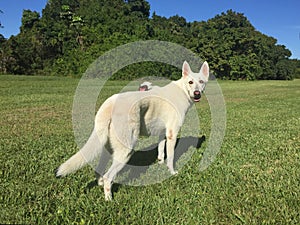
(236, 50)
(285, 70)
(70, 34)
(29, 18)
(141, 8)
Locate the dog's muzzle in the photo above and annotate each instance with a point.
(197, 96)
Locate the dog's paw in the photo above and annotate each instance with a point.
(108, 197)
(174, 172)
(160, 161)
(100, 181)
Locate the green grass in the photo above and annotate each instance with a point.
(254, 180)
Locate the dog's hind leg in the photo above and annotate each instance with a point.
(122, 141)
(102, 165)
(119, 161)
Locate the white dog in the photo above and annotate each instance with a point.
(123, 117)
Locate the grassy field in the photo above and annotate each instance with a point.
(254, 180)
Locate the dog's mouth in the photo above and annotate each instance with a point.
(197, 96)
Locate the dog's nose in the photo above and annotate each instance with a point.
(197, 94)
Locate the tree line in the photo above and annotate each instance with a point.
(71, 34)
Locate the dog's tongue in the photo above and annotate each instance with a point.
(143, 88)
(196, 100)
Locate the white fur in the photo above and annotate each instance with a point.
(124, 117)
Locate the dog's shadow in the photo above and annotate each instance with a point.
(141, 160)
(148, 155)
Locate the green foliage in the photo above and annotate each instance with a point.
(29, 18)
(297, 70)
(236, 50)
(71, 34)
(147, 69)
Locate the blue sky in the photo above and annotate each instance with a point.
(279, 19)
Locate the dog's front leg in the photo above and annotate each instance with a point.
(171, 141)
(161, 149)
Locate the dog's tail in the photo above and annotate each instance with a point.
(86, 154)
(93, 146)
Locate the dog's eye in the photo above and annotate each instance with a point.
(191, 82)
(201, 81)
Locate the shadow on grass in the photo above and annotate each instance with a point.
(141, 160)
(148, 156)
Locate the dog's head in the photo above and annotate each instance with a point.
(195, 82)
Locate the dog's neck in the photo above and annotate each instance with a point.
(180, 83)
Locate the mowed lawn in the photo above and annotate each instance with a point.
(255, 178)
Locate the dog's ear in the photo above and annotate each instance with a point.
(186, 69)
(205, 70)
